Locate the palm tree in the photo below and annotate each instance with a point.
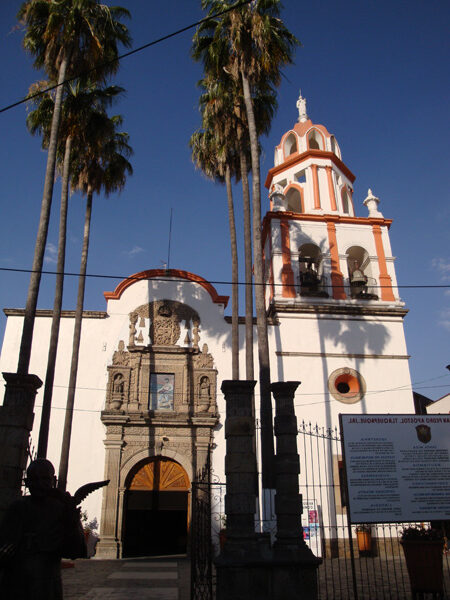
(209, 153)
(78, 103)
(66, 38)
(221, 103)
(99, 163)
(252, 44)
(217, 157)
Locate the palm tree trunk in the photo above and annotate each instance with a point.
(267, 446)
(249, 366)
(41, 238)
(234, 280)
(54, 334)
(65, 446)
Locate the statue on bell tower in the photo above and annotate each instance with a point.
(301, 105)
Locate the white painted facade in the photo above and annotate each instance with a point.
(440, 406)
(312, 338)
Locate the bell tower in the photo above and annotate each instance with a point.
(329, 274)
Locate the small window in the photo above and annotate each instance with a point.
(300, 177)
(347, 385)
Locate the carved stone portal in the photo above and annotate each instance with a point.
(180, 427)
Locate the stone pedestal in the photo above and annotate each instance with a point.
(16, 422)
(294, 572)
(240, 462)
(248, 568)
(240, 574)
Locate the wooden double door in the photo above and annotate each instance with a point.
(156, 511)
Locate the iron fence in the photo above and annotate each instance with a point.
(359, 561)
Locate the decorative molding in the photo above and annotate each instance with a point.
(65, 314)
(299, 158)
(166, 274)
(342, 309)
(343, 355)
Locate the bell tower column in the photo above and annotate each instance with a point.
(337, 279)
(385, 279)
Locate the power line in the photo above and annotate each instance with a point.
(326, 401)
(216, 282)
(126, 54)
(407, 387)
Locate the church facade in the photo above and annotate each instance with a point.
(149, 413)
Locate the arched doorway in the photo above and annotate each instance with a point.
(156, 509)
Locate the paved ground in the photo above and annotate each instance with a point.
(128, 579)
(168, 578)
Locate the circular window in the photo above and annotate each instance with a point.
(347, 385)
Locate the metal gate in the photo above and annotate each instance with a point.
(360, 562)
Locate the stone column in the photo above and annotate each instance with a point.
(288, 501)
(240, 461)
(110, 545)
(242, 567)
(294, 573)
(16, 422)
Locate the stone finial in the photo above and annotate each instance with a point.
(301, 105)
(277, 197)
(372, 205)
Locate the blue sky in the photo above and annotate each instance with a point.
(374, 73)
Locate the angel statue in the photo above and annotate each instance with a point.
(37, 531)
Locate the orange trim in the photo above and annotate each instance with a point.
(369, 221)
(287, 274)
(154, 273)
(385, 279)
(337, 279)
(314, 169)
(299, 158)
(299, 188)
(303, 128)
(331, 188)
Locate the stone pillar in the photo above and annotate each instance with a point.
(16, 422)
(288, 501)
(242, 568)
(295, 566)
(109, 545)
(240, 461)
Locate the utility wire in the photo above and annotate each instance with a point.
(126, 54)
(407, 387)
(326, 401)
(216, 282)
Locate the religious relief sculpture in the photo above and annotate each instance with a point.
(118, 392)
(204, 393)
(133, 331)
(206, 381)
(119, 378)
(165, 327)
(118, 384)
(204, 360)
(120, 356)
